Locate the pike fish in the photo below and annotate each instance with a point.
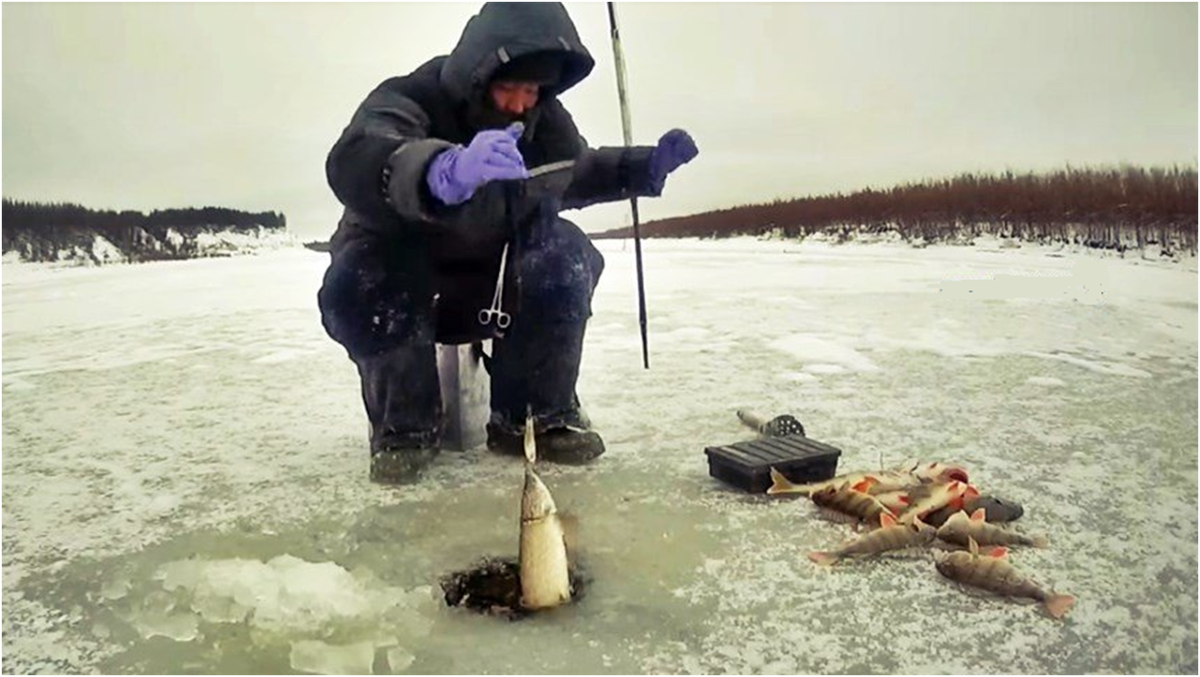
(890, 536)
(544, 569)
(847, 501)
(993, 573)
(960, 529)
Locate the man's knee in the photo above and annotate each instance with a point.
(559, 271)
(370, 308)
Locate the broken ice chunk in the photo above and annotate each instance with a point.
(331, 659)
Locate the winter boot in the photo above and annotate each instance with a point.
(565, 444)
(403, 402)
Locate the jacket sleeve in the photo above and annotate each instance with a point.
(606, 174)
(378, 168)
(384, 147)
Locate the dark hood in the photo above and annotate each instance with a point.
(503, 31)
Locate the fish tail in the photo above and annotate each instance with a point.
(780, 484)
(825, 559)
(1058, 605)
(1039, 541)
(530, 439)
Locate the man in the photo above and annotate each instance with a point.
(426, 169)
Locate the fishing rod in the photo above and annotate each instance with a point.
(627, 130)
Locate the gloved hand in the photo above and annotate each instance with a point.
(455, 174)
(674, 149)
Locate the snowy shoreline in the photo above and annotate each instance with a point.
(176, 244)
(1152, 254)
(266, 241)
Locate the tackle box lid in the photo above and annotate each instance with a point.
(747, 465)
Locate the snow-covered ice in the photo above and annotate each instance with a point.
(184, 470)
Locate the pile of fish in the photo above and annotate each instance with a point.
(930, 506)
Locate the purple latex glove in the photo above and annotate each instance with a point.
(455, 174)
(675, 149)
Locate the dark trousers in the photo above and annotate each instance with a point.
(389, 300)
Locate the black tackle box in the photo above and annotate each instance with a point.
(747, 465)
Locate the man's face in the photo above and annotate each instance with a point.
(513, 98)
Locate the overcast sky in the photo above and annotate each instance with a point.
(155, 105)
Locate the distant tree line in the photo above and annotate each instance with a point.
(41, 232)
(17, 215)
(1099, 207)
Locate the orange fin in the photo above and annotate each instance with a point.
(1058, 605)
(825, 559)
(999, 552)
(980, 515)
(886, 519)
(864, 485)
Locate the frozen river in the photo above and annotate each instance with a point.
(184, 470)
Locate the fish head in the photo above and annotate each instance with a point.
(940, 472)
(954, 472)
(824, 496)
(939, 556)
(944, 561)
(950, 563)
(536, 501)
(927, 532)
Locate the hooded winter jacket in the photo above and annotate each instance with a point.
(377, 169)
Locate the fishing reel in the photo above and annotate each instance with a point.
(780, 426)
